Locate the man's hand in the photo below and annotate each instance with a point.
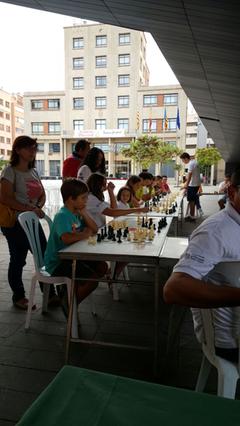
(110, 186)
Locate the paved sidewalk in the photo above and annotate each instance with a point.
(29, 361)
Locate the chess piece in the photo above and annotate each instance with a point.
(102, 234)
(99, 238)
(105, 231)
(119, 238)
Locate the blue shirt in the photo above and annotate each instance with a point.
(64, 221)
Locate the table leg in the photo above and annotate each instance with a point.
(156, 319)
(70, 314)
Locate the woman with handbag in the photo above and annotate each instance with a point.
(20, 190)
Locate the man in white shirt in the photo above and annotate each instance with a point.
(208, 273)
(192, 183)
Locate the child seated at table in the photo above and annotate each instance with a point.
(97, 208)
(134, 183)
(71, 224)
(124, 198)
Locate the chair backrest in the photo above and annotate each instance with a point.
(29, 221)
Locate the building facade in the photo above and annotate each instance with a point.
(107, 99)
(11, 121)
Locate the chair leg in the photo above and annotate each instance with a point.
(74, 332)
(46, 288)
(30, 302)
(203, 375)
(126, 275)
(227, 382)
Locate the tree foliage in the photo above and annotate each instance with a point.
(148, 149)
(2, 164)
(208, 156)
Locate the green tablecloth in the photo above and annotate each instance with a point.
(88, 398)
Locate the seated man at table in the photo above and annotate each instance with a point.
(71, 224)
(203, 279)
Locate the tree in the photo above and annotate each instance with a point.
(148, 149)
(206, 157)
(2, 164)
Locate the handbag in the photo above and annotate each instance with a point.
(8, 216)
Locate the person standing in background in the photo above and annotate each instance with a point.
(75, 160)
(192, 184)
(93, 163)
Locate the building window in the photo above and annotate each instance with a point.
(1, 126)
(7, 104)
(149, 100)
(124, 60)
(40, 166)
(101, 102)
(54, 127)
(78, 82)
(53, 103)
(103, 146)
(101, 41)
(123, 123)
(101, 61)
(8, 140)
(37, 128)
(2, 140)
(78, 43)
(78, 124)
(78, 103)
(54, 167)
(1, 101)
(1, 113)
(37, 104)
(123, 80)
(123, 101)
(100, 124)
(78, 63)
(54, 147)
(40, 147)
(7, 116)
(149, 125)
(171, 99)
(172, 124)
(101, 81)
(124, 38)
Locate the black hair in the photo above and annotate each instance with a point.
(145, 175)
(81, 144)
(164, 176)
(19, 143)
(184, 156)
(91, 159)
(235, 178)
(95, 183)
(73, 188)
(124, 188)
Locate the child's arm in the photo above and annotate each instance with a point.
(113, 201)
(74, 236)
(123, 212)
(89, 222)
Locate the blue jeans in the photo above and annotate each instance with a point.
(18, 246)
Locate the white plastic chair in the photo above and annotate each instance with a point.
(228, 373)
(30, 224)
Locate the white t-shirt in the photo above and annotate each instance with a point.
(83, 173)
(194, 169)
(95, 207)
(212, 248)
(121, 205)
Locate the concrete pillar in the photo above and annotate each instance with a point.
(111, 156)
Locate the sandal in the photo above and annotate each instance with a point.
(23, 304)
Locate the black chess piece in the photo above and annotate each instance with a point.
(105, 231)
(143, 223)
(110, 232)
(154, 227)
(113, 237)
(119, 238)
(99, 238)
(102, 234)
(150, 221)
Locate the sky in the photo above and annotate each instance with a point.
(32, 51)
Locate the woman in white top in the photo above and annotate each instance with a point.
(94, 162)
(98, 208)
(124, 197)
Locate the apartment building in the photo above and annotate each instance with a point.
(11, 121)
(107, 99)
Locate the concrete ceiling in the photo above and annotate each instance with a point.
(200, 40)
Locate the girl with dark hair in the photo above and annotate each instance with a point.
(98, 208)
(21, 190)
(94, 162)
(134, 183)
(124, 197)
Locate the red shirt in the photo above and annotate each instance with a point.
(71, 166)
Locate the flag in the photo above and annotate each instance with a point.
(150, 125)
(137, 121)
(165, 120)
(178, 119)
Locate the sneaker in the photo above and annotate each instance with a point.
(200, 212)
(23, 304)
